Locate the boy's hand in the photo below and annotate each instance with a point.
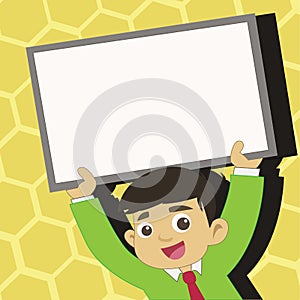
(87, 187)
(241, 161)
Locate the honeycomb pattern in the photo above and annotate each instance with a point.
(42, 254)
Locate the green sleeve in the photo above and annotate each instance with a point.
(241, 212)
(106, 246)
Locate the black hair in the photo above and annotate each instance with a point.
(175, 184)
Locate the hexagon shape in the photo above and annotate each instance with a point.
(13, 60)
(123, 7)
(80, 280)
(26, 107)
(286, 239)
(45, 247)
(7, 114)
(157, 15)
(25, 287)
(295, 5)
(18, 208)
(71, 12)
(260, 7)
(288, 34)
(7, 261)
(293, 84)
(19, 25)
(104, 25)
(123, 288)
(214, 9)
(291, 191)
(54, 205)
(277, 282)
(80, 243)
(22, 157)
(56, 36)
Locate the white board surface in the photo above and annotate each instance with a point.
(216, 63)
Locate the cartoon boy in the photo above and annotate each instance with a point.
(173, 230)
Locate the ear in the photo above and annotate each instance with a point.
(129, 237)
(219, 230)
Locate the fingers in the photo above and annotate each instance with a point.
(85, 174)
(88, 185)
(236, 157)
(237, 147)
(240, 160)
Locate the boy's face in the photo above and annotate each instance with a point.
(174, 235)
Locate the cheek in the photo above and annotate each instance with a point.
(198, 235)
(143, 246)
(148, 251)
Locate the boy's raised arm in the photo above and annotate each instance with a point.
(241, 213)
(101, 238)
(241, 210)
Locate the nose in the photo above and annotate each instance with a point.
(164, 238)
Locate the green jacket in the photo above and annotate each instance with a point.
(241, 213)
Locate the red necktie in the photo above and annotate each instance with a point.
(190, 279)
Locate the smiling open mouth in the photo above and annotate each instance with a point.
(174, 252)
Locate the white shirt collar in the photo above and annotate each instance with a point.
(174, 273)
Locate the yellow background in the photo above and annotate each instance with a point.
(42, 254)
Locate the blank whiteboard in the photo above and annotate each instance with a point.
(122, 104)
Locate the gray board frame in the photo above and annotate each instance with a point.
(218, 162)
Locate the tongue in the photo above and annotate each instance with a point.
(177, 253)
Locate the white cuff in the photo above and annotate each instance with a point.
(76, 200)
(246, 171)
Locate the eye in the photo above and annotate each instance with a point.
(144, 230)
(181, 222)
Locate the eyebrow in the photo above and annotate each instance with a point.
(179, 208)
(144, 215)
